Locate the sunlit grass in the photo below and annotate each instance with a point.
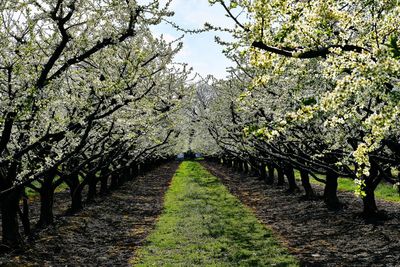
(204, 225)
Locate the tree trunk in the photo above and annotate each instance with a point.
(263, 172)
(76, 204)
(46, 204)
(305, 181)
(245, 167)
(114, 181)
(76, 193)
(254, 167)
(9, 217)
(130, 173)
(135, 171)
(330, 191)
(24, 215)
(239, 166)
(289, 171)
(271, 176)
(281, 176)
(122, 177)
(235, 165)
(103, 184)
(92, 187)
(370, 208)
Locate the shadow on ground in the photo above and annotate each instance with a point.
(317, 236)
(105, 233)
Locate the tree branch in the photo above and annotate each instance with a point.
(297, 53)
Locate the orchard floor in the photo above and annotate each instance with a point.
(110, 231)
(105, 233)
(315, 235)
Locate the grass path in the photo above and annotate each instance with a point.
(204, 225)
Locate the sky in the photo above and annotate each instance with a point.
(200, 51)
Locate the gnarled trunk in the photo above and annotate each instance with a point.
(370, 209)
(103, 184)
(9, 203)
(289, 171)
(92, 187)
(271, 176)
(245, 167)
(305, 182)
(262, 172)
(46, 203)
(24, 215)
(76, 201)
(330, 191)
(11, 236)
(75, 188)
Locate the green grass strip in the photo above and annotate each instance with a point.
(204, 225)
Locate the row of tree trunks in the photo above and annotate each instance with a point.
(10, 202)
(266, 172)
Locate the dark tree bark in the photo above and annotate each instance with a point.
(75, 188)
(76, 204)
(104, 183)
(289, 171)
(245, 167)
(238, 166)
(9, 217)
(123, 176)
(24, 215)
(254, 167)
(305, 181)
(130, 173)
(234, 165)
(9, 203)
(281, 176)
(271, 175)
(370, 209)
(263, 172)
(46, 191)
(46, 203)
(114, 181)
(135, 170)
(330, 191)
(92, 187)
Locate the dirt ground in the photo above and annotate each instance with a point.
(108, 232)
(105, 233)
(315, 235)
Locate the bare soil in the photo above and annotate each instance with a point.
(315, 235)
(106, 233)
